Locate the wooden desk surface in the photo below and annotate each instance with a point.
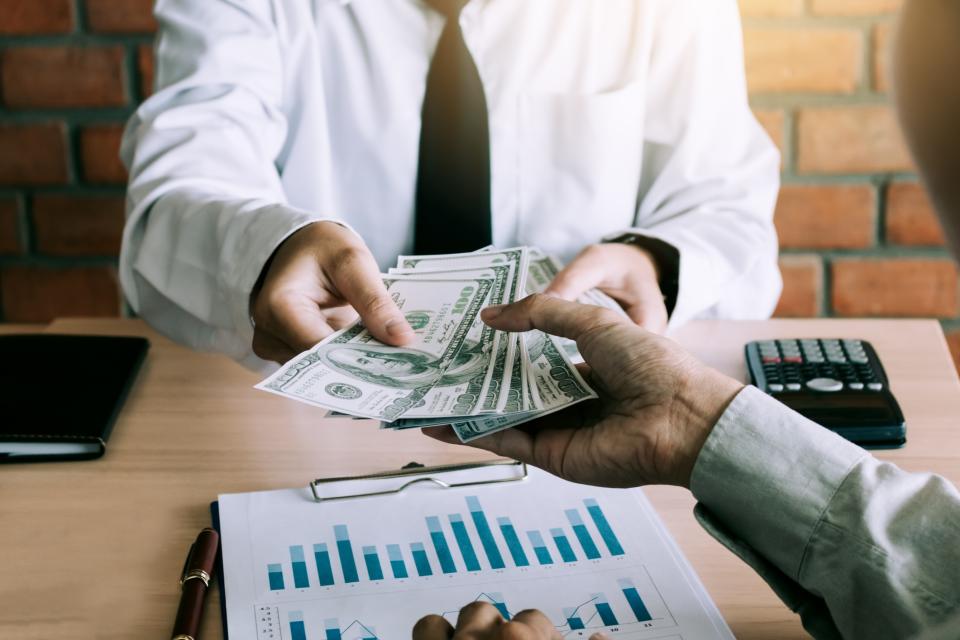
(93, 549)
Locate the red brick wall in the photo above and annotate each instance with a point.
(857, 232)
(71, 72)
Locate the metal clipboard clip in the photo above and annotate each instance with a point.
(450, 476)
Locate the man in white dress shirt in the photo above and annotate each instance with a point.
(858, 548)
(275, 170)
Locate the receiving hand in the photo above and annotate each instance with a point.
(657, 403)
(482, 621)
(317, 282)
(626, 273)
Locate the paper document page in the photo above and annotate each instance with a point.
(369, 568)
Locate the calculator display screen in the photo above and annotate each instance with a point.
(844, 409)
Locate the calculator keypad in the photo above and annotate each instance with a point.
(819, 365)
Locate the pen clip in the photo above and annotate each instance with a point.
(186, 563)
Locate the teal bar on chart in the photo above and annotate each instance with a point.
(603, 526)
(496, 599)
(463, 541)
(573, 619)
(634, 600)
(299, 562)
(604, 610)
(297, 629)
(397, 565)
(372, 560)
(513, 542)
(332, 626)
(563, 545)
(275, 575)
(485, 533)
(539, 547)
(420, 559)
(440, 545)
(583, 534)
(347, 562)
(321, 555)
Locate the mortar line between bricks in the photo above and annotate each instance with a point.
(58, 262)
(826, 304)
(844, 179)
(130, 91)
(73, 153)
(877, 253)
(81, 190)
(813, 100)
(80, 15)
(22, 219)
(74, 39)
(881, 213)
(28, 226)
(80, 115)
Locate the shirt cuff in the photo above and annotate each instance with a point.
(768, 474)
(697, 274)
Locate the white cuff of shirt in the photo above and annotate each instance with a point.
(699, 277)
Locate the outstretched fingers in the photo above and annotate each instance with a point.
(549, 314)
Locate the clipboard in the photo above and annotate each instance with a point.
(371, 554)
(383, 483)
(392, 482)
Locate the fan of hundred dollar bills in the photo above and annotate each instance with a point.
(458, 371)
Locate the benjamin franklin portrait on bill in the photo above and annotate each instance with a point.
(402, 368)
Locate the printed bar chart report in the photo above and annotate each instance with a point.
(593, 560)
(436, 554)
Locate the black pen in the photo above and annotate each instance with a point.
(194, 583)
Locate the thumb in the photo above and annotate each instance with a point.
(357, 278)
(550, 315)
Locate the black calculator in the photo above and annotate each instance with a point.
(837, 383)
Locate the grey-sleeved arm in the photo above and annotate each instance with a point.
(857, 547)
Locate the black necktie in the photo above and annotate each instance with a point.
(453, 181)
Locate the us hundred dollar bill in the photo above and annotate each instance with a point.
(508, 374)
(476, 372)
(351, 372)
(541, 272)
(558, 384)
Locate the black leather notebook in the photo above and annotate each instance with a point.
(60, 394)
